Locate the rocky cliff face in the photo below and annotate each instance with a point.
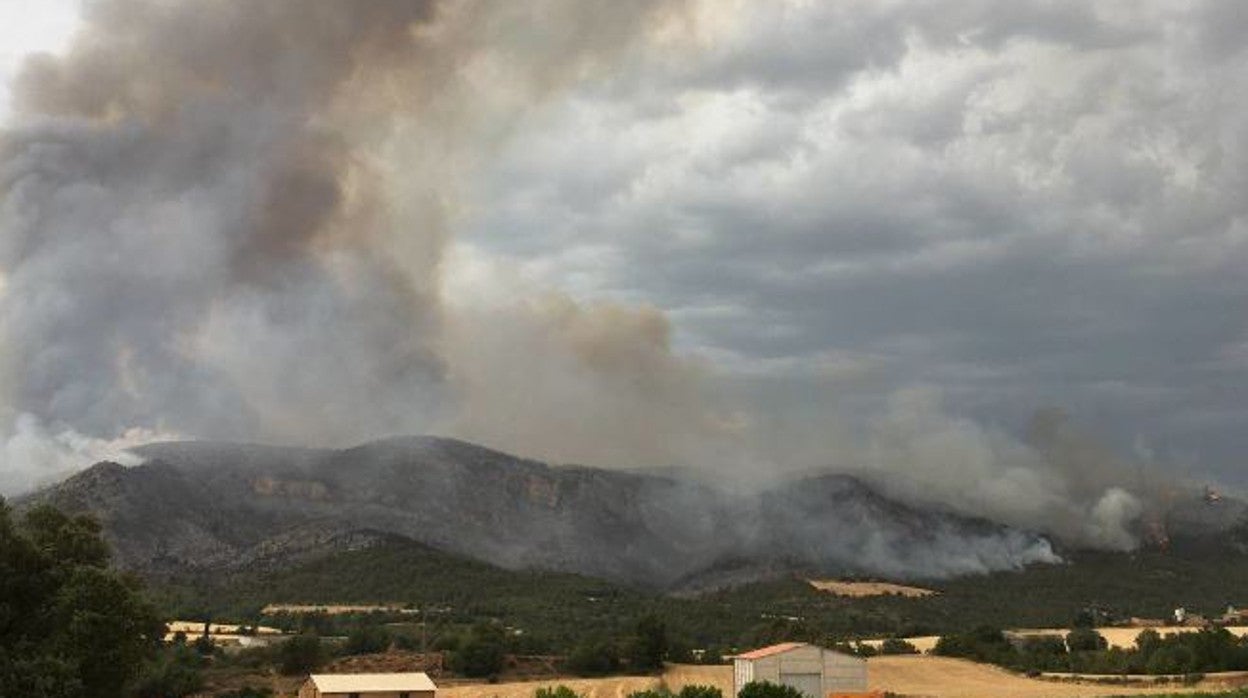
(202, 506)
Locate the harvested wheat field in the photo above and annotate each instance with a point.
(613, 687)
(930, 676)
(913, 676)
(925, 643)
(678, 676)
(942, 677)
(860, 590)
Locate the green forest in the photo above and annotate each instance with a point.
(550, 612)
(73, 627)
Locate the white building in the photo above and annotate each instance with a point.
(409, 685)
(815, 671)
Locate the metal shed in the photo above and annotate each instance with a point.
(409, 685)
(813, 670)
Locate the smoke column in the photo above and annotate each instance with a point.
(232, 220)
(226, 220)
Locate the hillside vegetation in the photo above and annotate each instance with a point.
(556, 610)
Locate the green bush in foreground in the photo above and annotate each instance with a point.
(690, 691)
(767, 689)
(69, 626)
(560, 691)
(699, 691)
(174, 674)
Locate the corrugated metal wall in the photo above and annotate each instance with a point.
(799, 668)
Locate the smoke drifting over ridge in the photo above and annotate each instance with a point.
(224, 220)
(233, 221)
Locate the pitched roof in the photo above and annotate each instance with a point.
(359, 683)
(770, 650)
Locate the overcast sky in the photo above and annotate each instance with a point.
(1021, 204)
(1006, 206)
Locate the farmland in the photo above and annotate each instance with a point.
(1116, 637)
(915, 676)
(614, 687)
(858, 590)
(943, 677)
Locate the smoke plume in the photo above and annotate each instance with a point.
(228, 221)
(232, 220)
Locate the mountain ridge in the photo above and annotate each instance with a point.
(196, 506)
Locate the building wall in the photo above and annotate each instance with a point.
(838, 672)
(843, 673)
(309, 691)
(742, 673)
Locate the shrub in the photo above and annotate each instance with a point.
(699, 691)
(652, 693)
(864, 650)
(649, 644)
(481, 654)
(895, 645)
(560, 691)
(301, 654)
(767, 689)
(594, 659)
(369, 639)
(173, 675)
(1085, 640)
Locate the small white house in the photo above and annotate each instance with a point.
(408, 685)
(815, 671)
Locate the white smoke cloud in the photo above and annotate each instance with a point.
(48, 454)
(1060, 485)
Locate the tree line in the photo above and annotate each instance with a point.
(1085, 651)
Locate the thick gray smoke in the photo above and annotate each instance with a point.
(227, 220)
(1059, 481)
(232, 220)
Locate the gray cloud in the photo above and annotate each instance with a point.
(1024, 204)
